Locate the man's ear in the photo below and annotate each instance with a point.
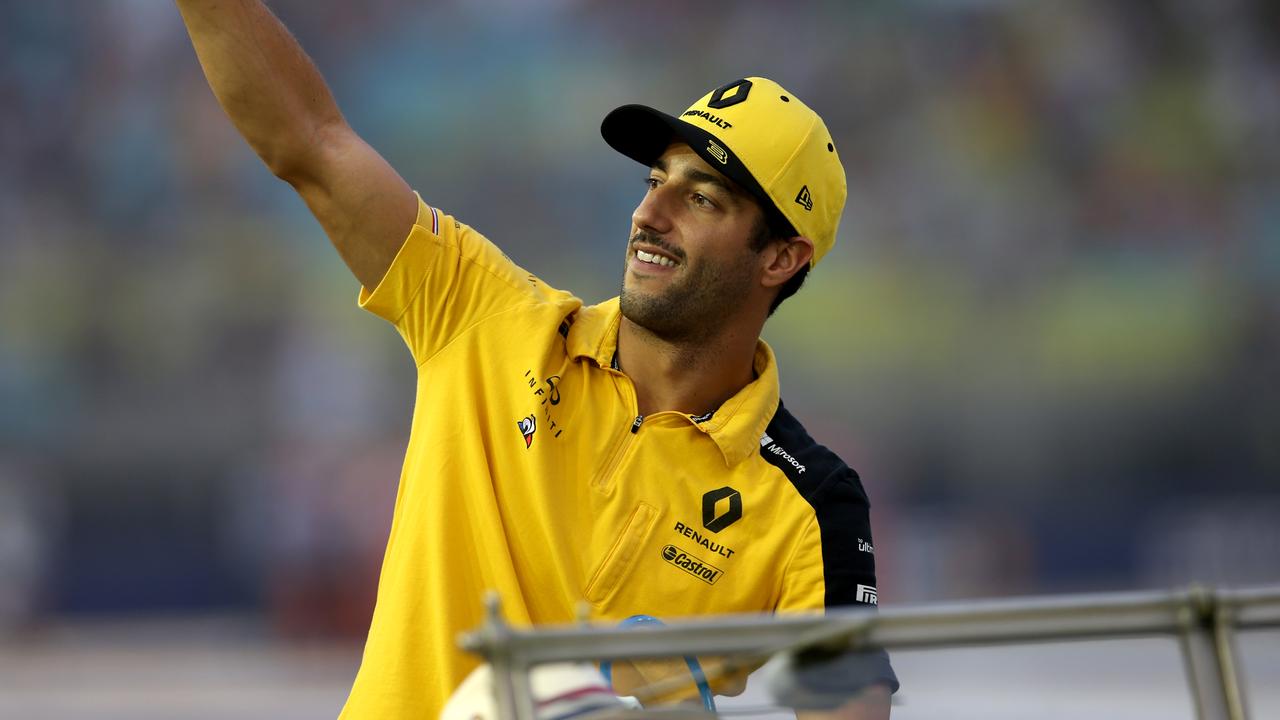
(784, 258)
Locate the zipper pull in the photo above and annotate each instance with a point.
(635, 426)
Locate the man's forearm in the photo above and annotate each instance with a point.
(263, 79)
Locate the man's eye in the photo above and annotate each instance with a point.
(702, 200)
(652, 182)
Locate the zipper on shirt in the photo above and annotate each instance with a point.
(604, 479)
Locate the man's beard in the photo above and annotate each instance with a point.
(696, 304)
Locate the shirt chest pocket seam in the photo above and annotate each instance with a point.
(622, 556)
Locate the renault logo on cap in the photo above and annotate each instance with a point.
(719, 99)
(721, 508)
(718, 152)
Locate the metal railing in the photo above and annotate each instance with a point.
(1204, 621)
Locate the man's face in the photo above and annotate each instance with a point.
(689, 261)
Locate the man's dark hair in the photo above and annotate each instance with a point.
(776, 227)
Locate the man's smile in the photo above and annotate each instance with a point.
(654, 258)
(649, 254)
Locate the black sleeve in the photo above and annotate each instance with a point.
(843, 513)
(848, 555)
(849, 567)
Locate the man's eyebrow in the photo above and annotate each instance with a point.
(704, 177)
(699, 176)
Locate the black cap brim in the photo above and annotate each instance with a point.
(643, 134)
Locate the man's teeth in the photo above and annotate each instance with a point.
(655, 259)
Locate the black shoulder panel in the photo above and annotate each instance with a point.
(835, 492)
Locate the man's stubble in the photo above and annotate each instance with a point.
(696, 304)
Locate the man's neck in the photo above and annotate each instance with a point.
(692, 377)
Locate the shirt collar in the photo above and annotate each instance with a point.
(594, 332)
(736, 426)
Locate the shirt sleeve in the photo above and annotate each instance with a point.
(833, 565)
(445, 279)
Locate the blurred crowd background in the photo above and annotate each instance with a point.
(1048, 338)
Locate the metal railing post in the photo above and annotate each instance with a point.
(512, 687)
(1224, 634)
(1200, 656)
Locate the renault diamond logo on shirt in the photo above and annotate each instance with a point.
(528, 426)
(721, 508)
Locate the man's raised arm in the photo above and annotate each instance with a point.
(278, 101)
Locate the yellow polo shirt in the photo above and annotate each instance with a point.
(528, 471)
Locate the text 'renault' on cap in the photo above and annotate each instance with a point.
(758, 135)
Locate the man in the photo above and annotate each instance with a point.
(635, 454)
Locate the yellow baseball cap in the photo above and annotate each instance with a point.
(758, 135)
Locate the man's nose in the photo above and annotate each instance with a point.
(654, 211)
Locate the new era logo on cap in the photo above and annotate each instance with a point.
(804, 199)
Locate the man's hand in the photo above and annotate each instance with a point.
(665, 681)
(278, 101)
